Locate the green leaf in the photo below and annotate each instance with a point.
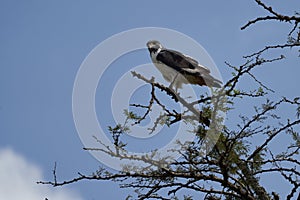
(236, 91)
(260, 91)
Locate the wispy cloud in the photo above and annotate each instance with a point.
(18, 180)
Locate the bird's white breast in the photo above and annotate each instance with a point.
(168, 73)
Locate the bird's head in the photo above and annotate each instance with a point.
(154, 45)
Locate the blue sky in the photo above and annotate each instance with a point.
(43, 44)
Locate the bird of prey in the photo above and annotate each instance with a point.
(178, 68)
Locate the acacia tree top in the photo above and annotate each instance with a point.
(234, 165)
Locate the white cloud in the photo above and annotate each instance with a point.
(18, 180)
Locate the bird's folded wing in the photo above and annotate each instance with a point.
(181, 63)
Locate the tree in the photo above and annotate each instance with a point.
(232, 168)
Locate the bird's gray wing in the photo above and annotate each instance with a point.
(180, 62)
(187, 66)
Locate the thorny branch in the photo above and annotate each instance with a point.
(292, 42)
(275, 16)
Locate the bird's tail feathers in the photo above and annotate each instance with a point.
(211, 81)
